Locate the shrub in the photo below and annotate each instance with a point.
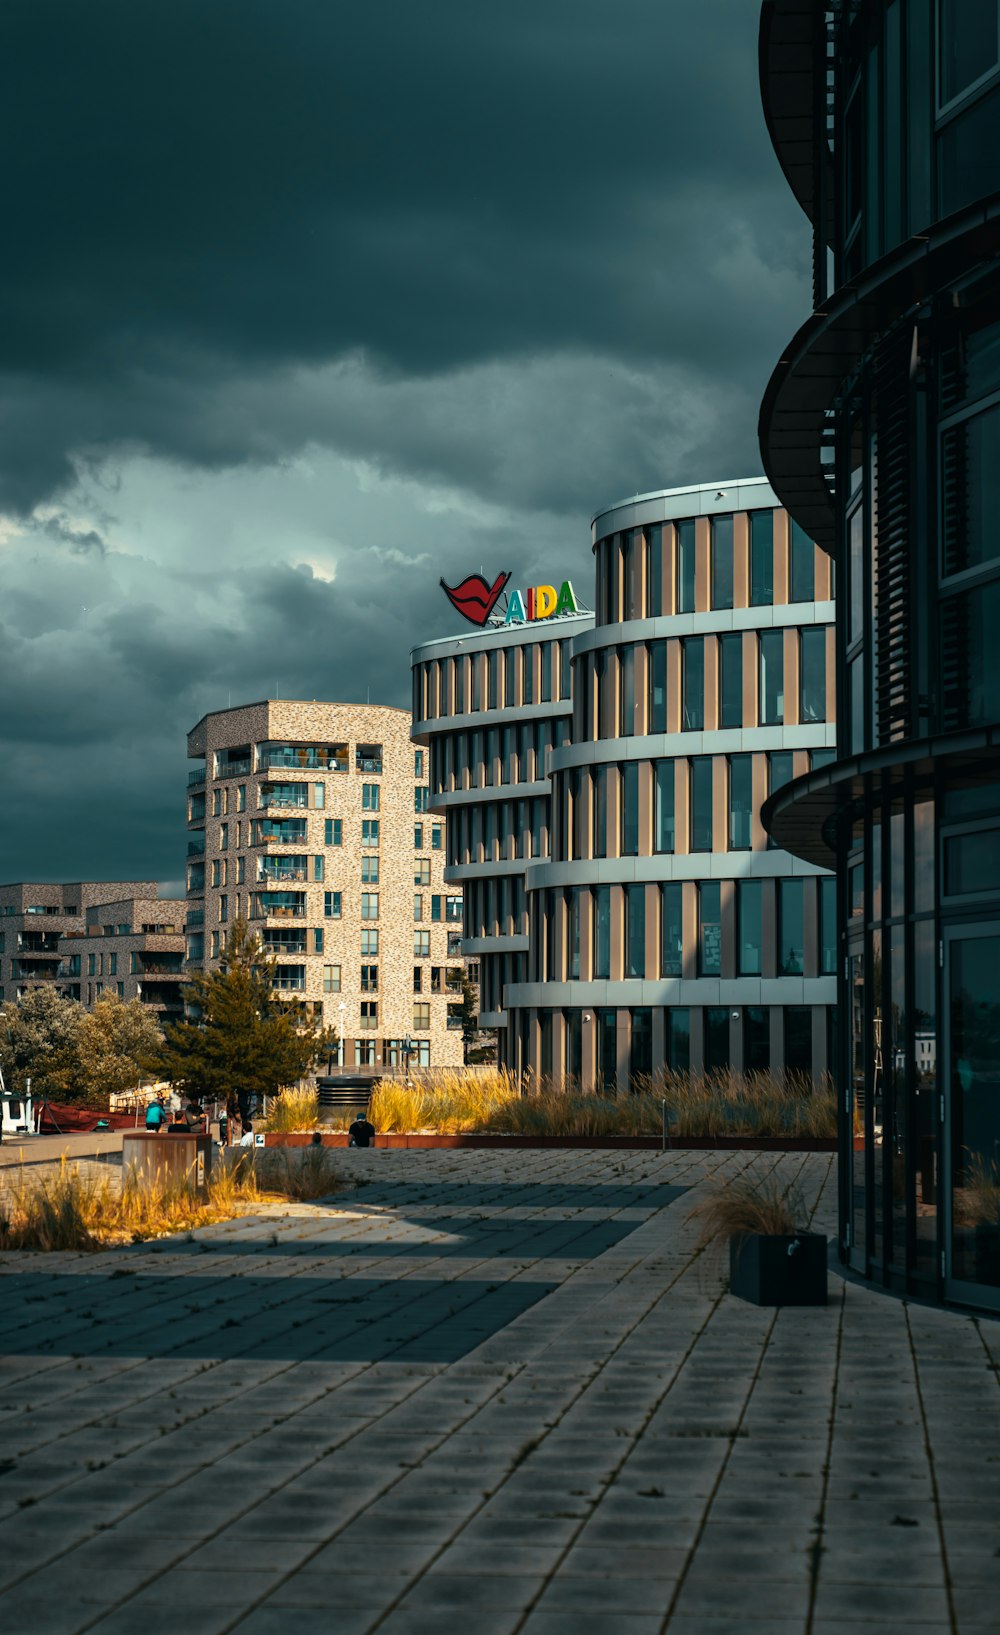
(733, 1209)
(291, 1110)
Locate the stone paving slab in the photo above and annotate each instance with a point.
(488, 1389)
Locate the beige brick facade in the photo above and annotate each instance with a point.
(133, 947)
(306, 820)
(35, 917)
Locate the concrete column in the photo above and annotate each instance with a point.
(689, 928)
(652, 931)
(751, 679)
(781, 563)
(727, 896)
(622, 1041)
(682, 805)
(617, 965)
(669, 568)
(769, 929)
(758, 774)
(777, 1019)
(645, 808)
(640, 724)
(614, 812)
(674, 686)
(711, 683)
(791, 657)
(741, 560)
(587, 937)
(720, 803)
(588, 1051)
(824, 576)
(810, 928)
(702, 564)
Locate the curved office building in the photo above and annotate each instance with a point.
(603, 783)
(880, 431)
(493, 705)
(662, 928)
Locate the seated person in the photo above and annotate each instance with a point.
(361, 1132)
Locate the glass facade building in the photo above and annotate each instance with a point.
(621, 895)
(877, 429)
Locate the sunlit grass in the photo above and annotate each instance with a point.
(291, 1110)
(717, 1105)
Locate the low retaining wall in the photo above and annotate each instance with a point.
(512, 1143)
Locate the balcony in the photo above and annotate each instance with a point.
(169, 968)
(278, 905)
(233, 763)
(196, 847)
(196, 777)
(289, 984)
(290, 833)
(305, 757)
(285, 944)
(196, 888)
(195, 916)
(284, 797)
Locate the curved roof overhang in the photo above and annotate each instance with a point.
(832, 342)
(791, 54)
(804, 816)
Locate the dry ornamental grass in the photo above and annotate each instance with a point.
(733, 1104)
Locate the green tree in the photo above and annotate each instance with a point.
(39, 1038)
(479, 1044)
(119, 1045)
(240, 1036)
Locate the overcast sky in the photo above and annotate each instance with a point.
(304, 305)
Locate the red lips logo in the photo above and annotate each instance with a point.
(474, 599)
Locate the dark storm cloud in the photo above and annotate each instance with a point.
(210, 194)
(470, 271)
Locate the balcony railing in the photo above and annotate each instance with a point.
(196, 848)
(233, 769)
(196, 889)
(297, 837)
(159, 970)
(281, 874)
(368, 763)
(302, 760)
(196, 777)
(195, 916)
(289, 984)
(284, 945)
(280, 911)
(285, 803)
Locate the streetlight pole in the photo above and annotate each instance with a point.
(407, 1048)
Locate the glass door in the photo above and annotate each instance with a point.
(970, 1074)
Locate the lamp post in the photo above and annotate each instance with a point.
(342, 1011)
(407, 1047)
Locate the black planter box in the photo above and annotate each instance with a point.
(779, 1271)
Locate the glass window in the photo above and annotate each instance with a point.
(790, 924)
(626, 725)
(749, 911)
(369, 871)
(856, 580)
(693, 655)
(421, 944)
(716, 1038)
(971, 463)
(602, 932)
(333, 831)
(635, 931)
(761, 558)
(731, 680)
(685, 567)
(772, 678)
(672, 929)
(812, 675)
(971, 661)
(600, 838)
(369, 905)
(679, 1039)
(331, 904)
(629, 782)
(722, 562)
(641, 1046)
(369, 831)
(545, 692)
(658, 686)
(654, 548)
(740, 801)
(607, 1049)
(709, 928)
(528, 673)
(798, 1039)
(856, 694)
(421, 1015)
(972, 863)
(969, 45)
(575, 905)
(319, 868)
(701, 803)
(801, 566)
(370, 797)
(663, 806)
(418, 763)
(331, 979)
(756, 1040)
(828, 925)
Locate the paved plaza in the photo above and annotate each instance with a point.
(489, 1393)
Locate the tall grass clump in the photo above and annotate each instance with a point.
(291, 1110)
(299, 1173)
(713, 1105)
(736, 1208)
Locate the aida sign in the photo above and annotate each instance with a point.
(477, 601)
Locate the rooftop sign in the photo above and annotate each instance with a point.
(475, 600)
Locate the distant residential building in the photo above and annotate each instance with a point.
(133, 947)
(312, 821)
(35, 916)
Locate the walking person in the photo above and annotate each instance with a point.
(224, 1125)
(155, 1116)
